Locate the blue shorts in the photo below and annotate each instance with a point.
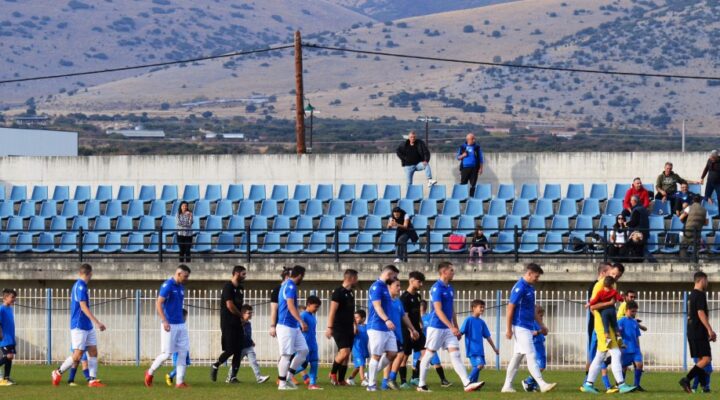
(477, 361)
(592, 347)
(312, 355)
(435, 360)
(629, 358)
(541, 357)
(175, 357)
(359, 361)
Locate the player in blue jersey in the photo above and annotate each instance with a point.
(629, 329)
(7, 334)
(476, 332)
(174, 336)
(313, 358)
(402, 322)
(170, 377)
(417, 356)
(443, 331)
(360, 352)
(381, 336)
(73, 370)
(290, 328)
(539, 333)
(521, 318)
(82, 334)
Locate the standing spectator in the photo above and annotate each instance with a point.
(695, 217)
(637, 189)
(666, 185)
(640, 221)
(404, 232)
(231, 324)
(712, 171)
(341, 325)
(184, 234)
(471, 162)
(415, 156)
(681, 197)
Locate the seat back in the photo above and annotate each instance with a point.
(437, 192)
(280, 193)
(529, 191)
(369, 192)
(301, 193)
(213, 193)
(324, 192)
(235, 192)
(169, 193)
(392, 193)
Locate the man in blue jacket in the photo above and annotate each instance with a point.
(471, 162)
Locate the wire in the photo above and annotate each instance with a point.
(521, 66)
(133, 67)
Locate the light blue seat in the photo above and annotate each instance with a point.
(169, 193)
(373, 225)
(48, 209)
(147, 193)
(324, 192)
(465, 225)
(82, 193)
(124, 225)
(134, 244)
(657, 225)
(512, 222)
(498, 208)
(676, 225)
(61, 194)
(369, 192)
(620, 190)
(113, 243)
(598, 191)
(529, 243)
(382, 208)
(506, 192)
(414, 192)
(158, 208)
(336, 209)
(560, 223)
(575, 191)
(246, 209)
(126, 193)
(46, 243)
(407, 205)
(102, 225)
(707, 230)
(363, 244)
(201, 209)
(568, 208)
(235, 193)
(392, 193)
(80, 222)
(203, 243)
(359, 208)
(653, 243)
(4, 242)
(317, 243)
(460, 192)
(213, 225)
(606, 224)
(301, 193)
(712, 209)
(2, 193)
(213, 193)
(421, 224)
(442, 225)
(36, 225)
(91, 242)
(437, 243)
(91, 209)
(113, 209)
(650, 188)
(291, 208)
(343, 243)
(327, 225)
(474, 208)
(483, 192)
(39, 193)
(136, 209)
(521, 208)
(191, 193)
(58, 225)
(294, 244)
(258, 225)
(591, 208)
(18, 193)
(572, 239)
(695, 188)
(490, 225)
(346, 192)
(172, 244)
(280, 193)
(583, 225)
(386, 244)
(536, 224)
(7, 209)
(661, 208)
(236, 225)
(552, 192)
(223, 209)
(271, 243)
(168, 224)
(269, 208)
(505, 243)
(281, 225)
(428, 208)
(614, 206)
(544, 208)
(70, 208)
(438, 193)
(23, 243)
(153, 245)
(27, 209)
(529, 192)
(313, 208)
(68, 243)
(451, 208)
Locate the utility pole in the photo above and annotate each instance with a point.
(683, 136)
(427, 121)
(299, 97)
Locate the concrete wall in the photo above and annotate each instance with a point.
(37, 142)
(381, 169)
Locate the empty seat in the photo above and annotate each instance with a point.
(575, 191)
(169, 193)
(536, 223)
(126, 193)
(158, 208)
(382, 208)
(414, 193)
(490, 225)
(147, 193)
(224, 209)
(317, 243)
(428, 208)
(235, 192)
(46, 243)
(661, 208)
(695, 188)
(113, 209)
(213, 225)
(421, 224)
(236, 225)
(386, 244)
(102, 225)
(213, 193)
(607, 222)
(363, 243)
(336, 209)
(598, 191)
(79, 222)
(281, 225)
(506, 192)
(39, 193)
(350, 225)
(291, 208)
(203, 243)
(301, 193)
(568, 208)
(124, 225)
(474, 208)
(280, 193)
(153, 245)
(614, 206)
(36, 225)
(225, 243)
(583, 225)
(113, 243)
(712, 209)
(498, 208)
(373, 225)
(512, 222)
(529, 192)
(313, 208)
(442, 225)
(136, 209)
(258, 225)
(90, 242)
(346, 192)
(246, 209)
(407, 205)
(68, 243)
(483, 191)
(369, 192)
(82, 193)
(620, 190)
(23, 243)
(201, 209)
(342, 242)
(48, 209)
(552, 192)
(58, 224)
(560, 224)
(271, 244)
(529, 243)
(451, 208)
(591, 208)
(650, 188)
(327, 224)
(269, 208)
(505, 243)
(324, 192)
(544, 208)
(191, 193)
(460, 192)
(436, 243)
(27, 209)
(521, 208)
(7, 209)
(91, 209)
(437, 192)
(392, 193)
(61, 194)
(70, 209)
(135, 243)
(18, 194)
(2, 192)
(359, 208)
(465, 225)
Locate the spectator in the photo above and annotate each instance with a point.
(415, 156)
(666, 185)
(184, 234)
(640, 221)
(635, 247)
(471, 162)
(478, 246)
(683, 197)
(618, 239)
(712, 171)
(637, 189)
(695, 217)
(404, 232)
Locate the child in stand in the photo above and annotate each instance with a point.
(478, 246)
(360, 352)
(476, 331)
(630, 329)
(7, 334)
(311, 306)
(539, 333)
(608, 314)
(169, 378)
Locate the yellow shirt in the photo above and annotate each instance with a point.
(621, 310)
(599, 330)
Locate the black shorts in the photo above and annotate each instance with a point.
(8, 350)
(400, 346)
(699, 344)
(233, 339)
(343, 338)
(413, 345)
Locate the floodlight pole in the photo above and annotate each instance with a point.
(299, 97)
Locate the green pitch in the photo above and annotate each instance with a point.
(126, 383)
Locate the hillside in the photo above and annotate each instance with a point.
(389, 10)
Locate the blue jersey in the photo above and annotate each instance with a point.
(7, 323)
(472, 160)
(523, 296)
(174, 295)
(288, 291)
(360, 343)
(539, 339)
(630, 332)
(426, 320)
(396, 313)
(378, 291)
(78, 319)
(475, 331)
(445, 294)
(310, 334)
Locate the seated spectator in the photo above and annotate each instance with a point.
(635, 247)
(638, 190)
(666, 185)
(694, 217)
(682, 198)
(404, 231)
(478, 246)
(712, 170)
(618, 239)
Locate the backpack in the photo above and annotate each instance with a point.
(456, 242)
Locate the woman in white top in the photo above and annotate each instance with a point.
(618, 238)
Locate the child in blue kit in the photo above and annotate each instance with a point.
(169, 378)
(476, 331)
(539, 333)
(629, 329)
(360, 352)
(310, 378)
(7, 334)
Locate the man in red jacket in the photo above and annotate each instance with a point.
(637, 189)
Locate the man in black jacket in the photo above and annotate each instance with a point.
(415, 156)
(640, 221)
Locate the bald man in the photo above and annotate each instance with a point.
(471, 160)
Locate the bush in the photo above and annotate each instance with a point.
(165, 106)
(207, 114)
(78, 5)
(344, 85)
(468, 29)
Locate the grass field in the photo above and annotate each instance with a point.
(126, 383)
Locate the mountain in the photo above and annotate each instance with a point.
(389, 10)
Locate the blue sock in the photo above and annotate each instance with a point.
(313, 372)
(709, 370)
(86, 374)
(71, 376)
(638, 375)
(606, 382)
(392, 376)
(173, 373)
(384, 384)
(474, 374)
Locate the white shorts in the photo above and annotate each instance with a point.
(522, 340)
(175, 340)
(290, 340)
(80, 339)
(441, 339)
(380, 342)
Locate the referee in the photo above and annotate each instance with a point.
(699, 332)
(340, 325)
(233, 336)
(411, 300)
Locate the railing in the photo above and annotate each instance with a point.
(133, 328)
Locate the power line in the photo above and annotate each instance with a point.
(133, 67)
(507, 65)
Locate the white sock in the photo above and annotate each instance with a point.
(595, 367)
(616, 365)
(535, 370)
(372, 370)
(66, 364)
(283, 365)
(384, 362)
(92, 367)
(424, 364)
(459, 367)
(512, 369)
(158, 362)
(181, 367)
(297, 362)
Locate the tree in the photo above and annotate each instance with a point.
(207, 114)
(468, 29)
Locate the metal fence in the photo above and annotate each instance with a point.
(133, 334)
